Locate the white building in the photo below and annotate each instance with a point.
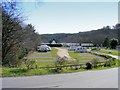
(86, 44)
(53, 42)
(70, 44)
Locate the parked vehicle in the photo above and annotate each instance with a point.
(81, 49)
(72, 48)
(43, 48)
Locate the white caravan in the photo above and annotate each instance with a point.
(81, 49)
(72, 48)
(43, 48)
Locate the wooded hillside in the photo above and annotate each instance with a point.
(94, 36)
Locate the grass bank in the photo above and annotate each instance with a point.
(13, 72)
(108, 51)
(84, 56)
(51, 55)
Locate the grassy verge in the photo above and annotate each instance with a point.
(54, 53)
(44, 55)
(84, 56)
(13, 72)
(76, 55)
(10, 72)
(42, 58)
(108, 51)
(45, 64)
(20, 71)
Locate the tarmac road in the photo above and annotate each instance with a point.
(87, 79)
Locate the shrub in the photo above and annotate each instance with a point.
(93, 49)
(76, 63)
(29, 63)
(88, 65)
(61, 61)
(109, 63)
(58, 64)
(94, 62)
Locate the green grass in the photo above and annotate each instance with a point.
(51, 55)
(8, 72)
(54, 53)
(108, 51)
(83, 56)
(75, 55)
(42, 58)
(45, 64)
(20, 71)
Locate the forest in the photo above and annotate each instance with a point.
(94, 36)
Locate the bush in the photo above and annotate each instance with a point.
(58, 64)
(109, 63)
(29, 63)
(56, 69)
(93, 49)
(94, 62)
(61, 61)
(76, 63)
(88, 65)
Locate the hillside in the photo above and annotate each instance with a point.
(94, 36)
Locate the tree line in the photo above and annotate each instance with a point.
(96, 37)
(18, 39)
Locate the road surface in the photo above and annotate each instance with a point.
(87, 79)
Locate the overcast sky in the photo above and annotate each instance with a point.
(70, 17)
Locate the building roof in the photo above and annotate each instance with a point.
(53, 42)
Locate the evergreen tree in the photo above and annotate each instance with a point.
(113, 43)
(106, 42)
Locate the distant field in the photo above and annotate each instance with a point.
(108, 51)
(84, 56)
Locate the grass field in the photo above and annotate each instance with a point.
(108, 51)
(44, 55)
(21, 71)
(54, 53)
(10, 72)
(83, 56)
(41, 64)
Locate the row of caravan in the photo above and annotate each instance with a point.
(78, 49)
(43, 48)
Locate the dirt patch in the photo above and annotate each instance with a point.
(62, 52)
